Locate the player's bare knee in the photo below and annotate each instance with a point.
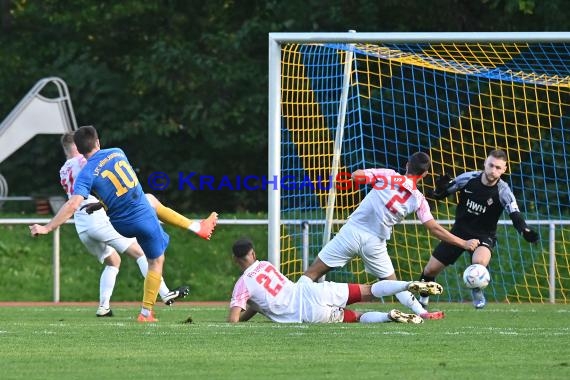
(113, 260)
(317, 270)
(135, 251)
(312, 274)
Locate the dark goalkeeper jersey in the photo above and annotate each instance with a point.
(480, 207)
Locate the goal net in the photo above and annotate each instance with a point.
(340, 102)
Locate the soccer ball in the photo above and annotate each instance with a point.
(476, 276)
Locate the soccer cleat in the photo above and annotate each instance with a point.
(478, 298)
(398, 316)
(433, 315)
(207, 226)
(104, 312)
(175, 294)
(149, 319)
(427, 288)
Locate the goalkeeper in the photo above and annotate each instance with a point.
(483, 196)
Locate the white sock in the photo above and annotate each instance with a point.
(374, 317)
(388, 288)
(408, 299)
(106, 285)
(143, 266)
(194, 227)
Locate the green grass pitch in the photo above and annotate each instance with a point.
(516, 341)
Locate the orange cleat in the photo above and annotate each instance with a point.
(433, 315)
(207, 226)
(149, 319)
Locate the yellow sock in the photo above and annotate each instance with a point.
(169, 216)
(151, 285)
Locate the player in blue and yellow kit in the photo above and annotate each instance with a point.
(109, 176)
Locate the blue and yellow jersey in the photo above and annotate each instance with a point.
(109, 176)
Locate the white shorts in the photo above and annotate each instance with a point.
(322, 302)
(351, 241)
(102, 239)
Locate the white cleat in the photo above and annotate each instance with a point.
(425, 288)
(399, 317)
(104, 312)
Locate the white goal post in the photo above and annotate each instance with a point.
(491, 65)
(274, 95)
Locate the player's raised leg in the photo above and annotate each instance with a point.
(204, 228)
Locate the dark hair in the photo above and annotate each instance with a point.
(498, 153)
(85, 139)
(242, 247)
(418, 163)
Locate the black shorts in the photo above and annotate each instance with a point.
(449, 253)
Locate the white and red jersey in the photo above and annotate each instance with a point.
(391, 199)
(68, 173)
(270, 292)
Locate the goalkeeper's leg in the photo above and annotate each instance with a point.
(204, 228)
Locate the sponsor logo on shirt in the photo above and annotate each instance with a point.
(475, 208)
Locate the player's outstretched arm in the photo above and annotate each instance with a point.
(360, 178)
(520, 225)
(90, 208)
(442, 184)
(371, 176)
(446, 236)
(65, 212)
(238, 315)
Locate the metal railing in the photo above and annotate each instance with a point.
(56, 241)
(305, 230)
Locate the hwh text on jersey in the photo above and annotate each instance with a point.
(475, 208)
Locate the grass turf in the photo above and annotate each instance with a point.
(516, 341)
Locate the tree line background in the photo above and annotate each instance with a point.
(181, 86)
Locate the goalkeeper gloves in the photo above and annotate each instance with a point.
(530, 235)
(442, 183)
(90, 208)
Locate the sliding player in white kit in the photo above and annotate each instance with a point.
(262, 288)
(392, 198)
(101, 239)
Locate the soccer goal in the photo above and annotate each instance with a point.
(343, 101)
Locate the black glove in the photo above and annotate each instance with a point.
(90, 208)
(530, 235)
(442, 183)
